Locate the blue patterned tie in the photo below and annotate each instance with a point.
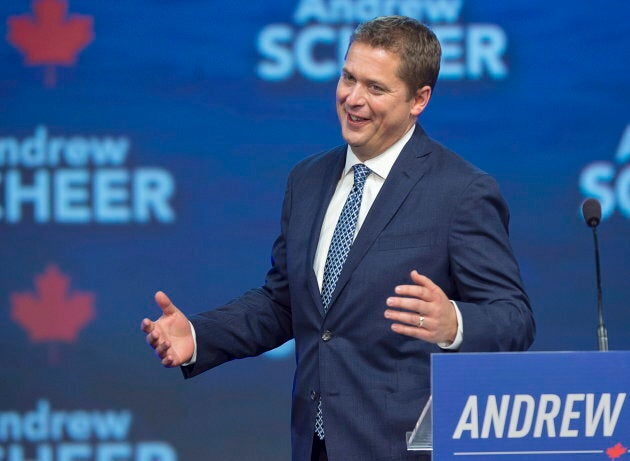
(342, 239)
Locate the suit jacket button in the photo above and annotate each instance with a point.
(327, 335)
(314, 395)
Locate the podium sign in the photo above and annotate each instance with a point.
(560, 406)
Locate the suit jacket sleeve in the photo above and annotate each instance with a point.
(495, 309)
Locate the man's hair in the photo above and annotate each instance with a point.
(415, 44)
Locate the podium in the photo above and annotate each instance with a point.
(542, 406)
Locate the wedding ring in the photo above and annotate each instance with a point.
(420, 322)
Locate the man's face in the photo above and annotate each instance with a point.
(373, 104)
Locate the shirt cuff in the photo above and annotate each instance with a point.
(193, 359)
(459, 338)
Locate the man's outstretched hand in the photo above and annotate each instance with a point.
(171, 334)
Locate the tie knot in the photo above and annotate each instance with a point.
(361, 172)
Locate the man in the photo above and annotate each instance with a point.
(391, 248)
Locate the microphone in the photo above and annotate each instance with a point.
(592, 212)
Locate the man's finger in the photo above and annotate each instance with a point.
(414, 332)
(165, 303)
(162, 349)
(146, 325)
(414, 319)
(410, 304)
(422, 280)
(153, 339)
(413, 291)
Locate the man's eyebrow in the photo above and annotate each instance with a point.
(346, 73)
(381, 85)
(376, 82)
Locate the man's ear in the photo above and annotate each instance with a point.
(420, 100)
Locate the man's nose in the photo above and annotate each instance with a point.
(356, 95)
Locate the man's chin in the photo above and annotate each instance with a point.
(353, 143)
(352, 137)
(360, 150)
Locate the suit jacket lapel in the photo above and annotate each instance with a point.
(320, 199)
(408, 169)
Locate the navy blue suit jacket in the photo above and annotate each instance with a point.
(435, 213)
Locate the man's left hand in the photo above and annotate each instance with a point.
(422, 311)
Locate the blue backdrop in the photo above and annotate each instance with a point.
(144, 145)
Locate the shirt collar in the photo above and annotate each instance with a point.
(382, 163)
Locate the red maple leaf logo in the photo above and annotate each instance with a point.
(52, 313)
(616, 451)
(48, 38)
